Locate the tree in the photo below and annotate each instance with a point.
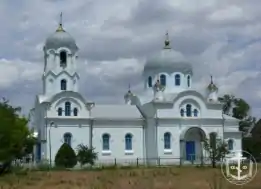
(216, 148)
(65, 157)
(86, 155)
(239, 109)
(16, 139)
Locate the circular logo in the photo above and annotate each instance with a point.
(239, 167)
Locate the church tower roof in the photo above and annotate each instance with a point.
(61, 38)
(167, 60)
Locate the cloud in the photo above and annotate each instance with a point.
(218, 37)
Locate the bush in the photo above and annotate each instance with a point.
(65, 157)
(86, 155)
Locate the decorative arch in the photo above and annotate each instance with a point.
(128, 141)
(70, 99)
(191, 143)
(105, 142)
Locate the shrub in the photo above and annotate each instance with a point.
(86, 155)
(65, 157)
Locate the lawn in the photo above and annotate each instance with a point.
(150, 178)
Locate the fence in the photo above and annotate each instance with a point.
(130, 162)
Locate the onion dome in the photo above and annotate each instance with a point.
(167, 60)
(61, 39)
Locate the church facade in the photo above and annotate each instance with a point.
(168, 120)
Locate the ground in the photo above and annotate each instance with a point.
(150, 178)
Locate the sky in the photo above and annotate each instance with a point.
(218, 37)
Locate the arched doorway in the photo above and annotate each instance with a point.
(193, 139)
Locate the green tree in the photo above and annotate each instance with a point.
(216, 149)
(239, 109)
(86, 155)
(65, 157)
(16, 139)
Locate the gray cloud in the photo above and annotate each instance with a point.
(218, 37)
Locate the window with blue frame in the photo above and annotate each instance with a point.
(60, 111)
(167, 141)
(182, 112)
(67, 138)
(63, 85)
(177, 80)
(128, 142)
(163, 80)
(75, 112)
(230, 144)
(188, 81)
(67, 108)
(195, 112)
(106, 142)
(150, 81)
(188, 110)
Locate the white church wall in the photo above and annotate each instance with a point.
(117, 143)
(172, 155)
(75, 103)
(80, 135)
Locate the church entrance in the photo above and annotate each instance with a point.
(190, 150)
(193, 143)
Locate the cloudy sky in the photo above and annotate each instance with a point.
(219, 37)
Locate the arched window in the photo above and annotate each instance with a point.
(75, 112)
(63, 59)
(128, 142)
(150, 81)
(63, 85)
(195, 112)
(67, 108)
(177, 80)
(188, 110)
(167, 141)
(163, 80)
(106, 142)
(182, 112)
(67, 137)
(188, 81)
(230, 144)
(60, 111)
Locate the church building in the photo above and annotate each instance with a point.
(168, 120)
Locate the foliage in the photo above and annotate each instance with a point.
(216, 148)
(239, 109)
(65, 157)
(86, 155)
(252, 146)
(16, 139)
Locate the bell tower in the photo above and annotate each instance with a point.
(60, 68)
